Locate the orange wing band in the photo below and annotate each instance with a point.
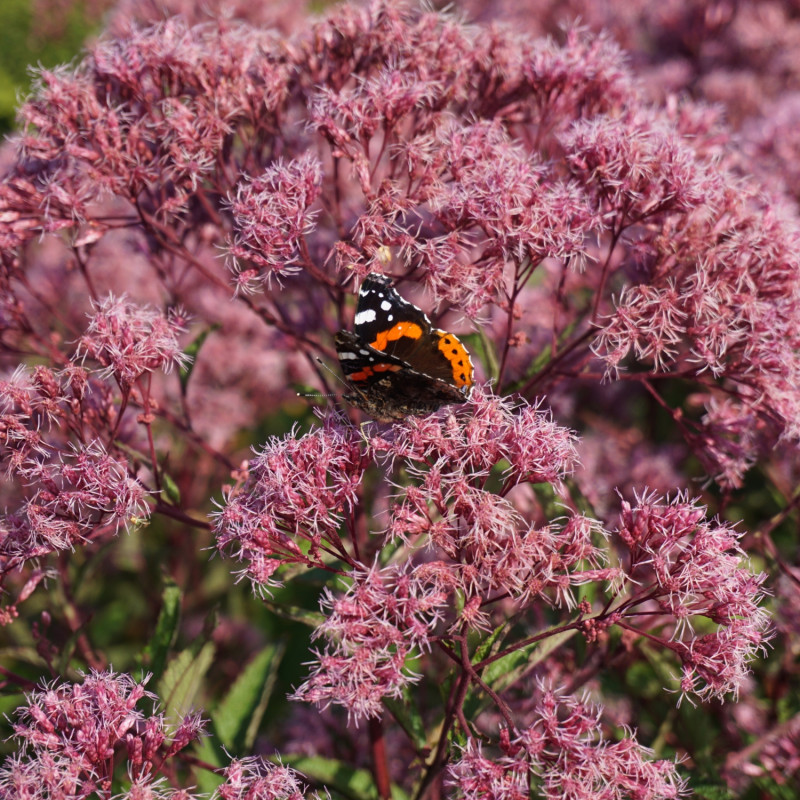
(403, 329)
(368, 372)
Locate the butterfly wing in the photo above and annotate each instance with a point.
(397, 328)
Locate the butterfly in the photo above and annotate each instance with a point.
(396, 363)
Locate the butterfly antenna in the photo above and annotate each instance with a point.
(338, 378)
(326, 367)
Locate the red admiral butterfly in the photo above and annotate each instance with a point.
(395, 361)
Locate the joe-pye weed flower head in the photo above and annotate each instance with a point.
(70, 732)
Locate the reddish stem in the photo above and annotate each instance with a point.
(380, 761)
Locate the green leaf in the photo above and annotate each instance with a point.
(508, 669)
(541, 361)
(67, 650)
(765, 787)
(582, 502)
(642, 679)
(490, 644)
(662, 662)
(339, 776)
(238, 716)
(171, 490)
(711, 793)
(29, 662)
(484, 349)
(182, 679)
(306, 390)
(208, 749)
(157, 649)
(313, 619)
(551, 503)
(407, 714)
(192, 349)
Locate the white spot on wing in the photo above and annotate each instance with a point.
(385, 305)
(367, 315)
(345, 355)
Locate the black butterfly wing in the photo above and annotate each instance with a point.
(392, 325)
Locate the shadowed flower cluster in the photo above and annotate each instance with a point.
(258, 779)
(70, 487)
(564, 755)
(70, 733)
(694, 572)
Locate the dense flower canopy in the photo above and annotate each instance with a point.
(185, 216)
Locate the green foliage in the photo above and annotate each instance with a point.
(406, 712)
(25, 41)
(340, 777)
(183, 678)
(166, 630)
(712, 793)
(192, 350)
(237, 718)
(509, 669)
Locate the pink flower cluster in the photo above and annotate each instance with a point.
(463, 499)
(490, 162)
(383, 617)
(563, 754)
(493, 549)
(71, 736)
(75, 491)
(258, 779)
(694, 571)
(70, 733)
(57, 430)
(272, 218)
(298, 497)
(131, 341)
